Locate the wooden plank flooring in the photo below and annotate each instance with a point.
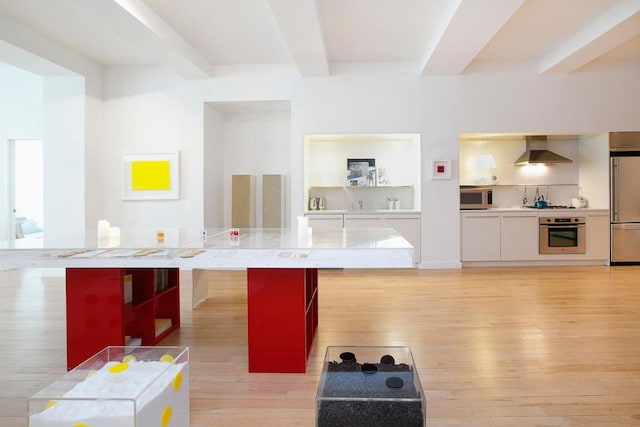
(493, 347)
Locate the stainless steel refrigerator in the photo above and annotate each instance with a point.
(624, 150)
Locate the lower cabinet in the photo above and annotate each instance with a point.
(481, 237)
(514, 236)
(407, 224)
(598, 236)
(107, 305)
(519, 236)
(320, 222)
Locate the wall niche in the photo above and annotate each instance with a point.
(397, 171)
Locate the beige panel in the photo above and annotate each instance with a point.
(273, 201)
(242, 201)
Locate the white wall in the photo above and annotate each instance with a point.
(71, 121)
(147, 109)
(594, 170)
(256, 143)
(507, 150)
(64, 155)
(20, 118)
(213, 161)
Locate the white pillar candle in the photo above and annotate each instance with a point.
(114, 236)
(303, 228)
(103, 229)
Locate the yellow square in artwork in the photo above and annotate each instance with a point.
(151, 175)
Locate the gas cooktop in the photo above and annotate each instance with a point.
(550, 207)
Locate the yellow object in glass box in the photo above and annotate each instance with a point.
(119, 386)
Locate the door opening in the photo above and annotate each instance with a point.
(26, 188)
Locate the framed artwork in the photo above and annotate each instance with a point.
(151, 176)
(441, 169)
(361, 172)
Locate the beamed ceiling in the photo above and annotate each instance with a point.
(429, 37)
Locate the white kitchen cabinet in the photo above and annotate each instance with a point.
(480, 236)
(407, 224)
(323, 222)
(598, 238)
(519, 236)
(513, 236)
(362, 221)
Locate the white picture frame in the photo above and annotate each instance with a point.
(441, 169)
(151, 176)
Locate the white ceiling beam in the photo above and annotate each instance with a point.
(466, 27)
(300, 25)
(152, 31)
(24, 48)
(611, 29)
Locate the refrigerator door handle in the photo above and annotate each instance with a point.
(615, 187)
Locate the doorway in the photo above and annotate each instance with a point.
(26, 188)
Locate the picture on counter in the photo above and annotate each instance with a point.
(361, 172)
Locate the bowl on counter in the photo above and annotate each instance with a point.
(579, 202)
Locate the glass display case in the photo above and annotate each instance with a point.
(372, 386)
(119, 386)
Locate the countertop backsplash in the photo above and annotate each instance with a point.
(511, 196)
(365, 198)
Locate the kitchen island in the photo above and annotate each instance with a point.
(282, 282)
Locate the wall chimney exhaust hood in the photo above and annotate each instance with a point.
(537, 153)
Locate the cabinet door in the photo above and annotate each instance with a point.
(519, 237)
(409, 227)
(480, 237)
(598, 238)
(321, 222)
(362, 221)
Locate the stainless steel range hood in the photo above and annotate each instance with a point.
(536, 152)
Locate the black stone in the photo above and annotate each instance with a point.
(387, 359)
(369, 368)
(394, 382)
(347, 356)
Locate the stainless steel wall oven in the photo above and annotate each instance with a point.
(562, 235)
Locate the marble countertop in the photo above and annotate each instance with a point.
(545, 211)
(363, 212)
(276, 248)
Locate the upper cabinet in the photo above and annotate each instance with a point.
(363, 172)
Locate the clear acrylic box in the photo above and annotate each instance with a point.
(119, 386)
(379, 388)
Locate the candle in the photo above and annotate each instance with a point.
(103, 229)
(303, 227)
(114, 236)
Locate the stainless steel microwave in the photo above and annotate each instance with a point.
(475, 198)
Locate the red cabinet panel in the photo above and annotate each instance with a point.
(282, 318)
(97, 315)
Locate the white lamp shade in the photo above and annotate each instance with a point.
(485, 161)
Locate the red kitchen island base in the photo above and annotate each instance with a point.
(282, 318)
(104, 305)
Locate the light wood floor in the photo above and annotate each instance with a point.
(493, 347)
